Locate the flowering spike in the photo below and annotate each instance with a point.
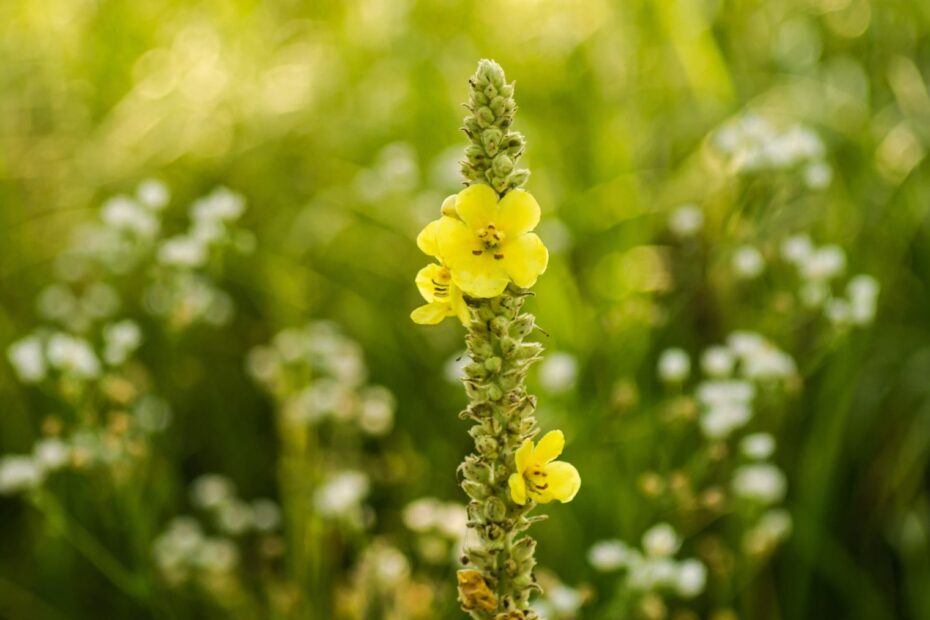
(492, 156)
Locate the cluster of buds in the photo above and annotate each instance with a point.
(498, 579)
(494, 150)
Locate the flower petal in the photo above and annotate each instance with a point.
(563, 479)
(455, 241)
(426, 240)
(549, 447)
(477, 205)
(517, 488)
(459, 307)
(518, 213)
(448, 206)
(429, 278)
(430, 314)
(525, 258)
(480, 277)
(523, 454)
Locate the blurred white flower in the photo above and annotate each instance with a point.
(838, 311)
(341, 494)
(718, 361)
(609, 555)
(182, 251)
(826, 263)
(558, 372)
(234, 517)
(797, 249)
(758, 446)
(748, 262)
(726, 406)
(674, 365)
(453, 521)
(691, 578)
(211, 491)
(661, 540)
(454, 369)
(120, 340)
(217, 555)
(761, 482)
(686, 221)
(221, 205)
(51, 454)
(862, 291)
(564, 600)
(376, 410)
(266, 515)
(422, 515)
(818, 175)
(153, 194)
(28, 360)
(73, 356)
(124, 214)
(814, 294)
(19, 473)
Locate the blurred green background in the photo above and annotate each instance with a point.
(337, 122)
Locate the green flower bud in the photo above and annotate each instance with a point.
(502, 165)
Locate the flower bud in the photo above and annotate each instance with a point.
(494, 509)
(493, 364)
(502, 165)
(491, 139)
(486, 445)
(484, 116)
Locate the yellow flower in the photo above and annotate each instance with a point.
(443, 297)
(539, 476)
(487, 242)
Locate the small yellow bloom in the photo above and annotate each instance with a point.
(443, 297)
(487, 242)
(539, 476)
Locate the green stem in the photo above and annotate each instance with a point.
(89, 547)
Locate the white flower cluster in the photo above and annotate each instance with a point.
(440, 527)
(128, 236)
(36, 356)
(818, 268)
(751, 144)
(759, 481)
(183, 551)
(316, 374)
(731, 372)
(558, 600)
(654, 568)
(83, 449)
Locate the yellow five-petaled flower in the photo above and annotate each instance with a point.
(539, 476)
(443, 297)
(487, 242)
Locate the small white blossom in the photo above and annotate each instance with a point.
(124, 214)
(182, 251)
(266, 515)
(51, 453)
(674, 365)
(120, 340)
(661, 540)
(376, 410)
(797, 249)
(73, 355)
(609, 555)
(718, 361)
(686, 221)
(341, 494)
(153, 194)
(558, 372)
(748, 262)
(760, 482)
(19, 473)
(691, 578)
(758, 446)
(27, 359)
(211, 491)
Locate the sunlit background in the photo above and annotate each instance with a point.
(214, 404)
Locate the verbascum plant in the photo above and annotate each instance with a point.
(487, 259)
